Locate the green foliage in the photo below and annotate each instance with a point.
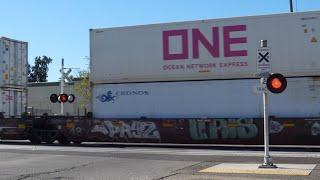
(39, 72)
(82, 87)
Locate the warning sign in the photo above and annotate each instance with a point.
(263, 60)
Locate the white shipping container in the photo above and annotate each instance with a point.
(13, 102)
(13, 59)
(204, 99)
(206, 49)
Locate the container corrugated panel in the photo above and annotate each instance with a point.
(204, 99)
(13, 59)
(206, 49)
(13, 102)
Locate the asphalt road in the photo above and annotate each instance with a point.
(134, 162)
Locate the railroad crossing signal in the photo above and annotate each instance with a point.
(276, 83)
(62, 98)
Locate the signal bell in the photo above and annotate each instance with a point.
(62, 98)
(276, 83)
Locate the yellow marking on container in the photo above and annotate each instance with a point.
(167, 124)
(5, 76)
(288, 124)
(118, 123)
(232, 124)
(203, 71)
(70, 125)
(22, 126)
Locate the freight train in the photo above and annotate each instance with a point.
(192, 82)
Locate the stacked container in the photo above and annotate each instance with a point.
(205, 68)
(13, 81)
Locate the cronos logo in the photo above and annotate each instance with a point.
(111, 96)
(108, 97)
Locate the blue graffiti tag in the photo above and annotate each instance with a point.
(106, 97)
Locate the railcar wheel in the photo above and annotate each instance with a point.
(77, 142)
(35, 139)
(64, 141)
(50, 141)
(49, 137)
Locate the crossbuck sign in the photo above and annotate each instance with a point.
(263, 60)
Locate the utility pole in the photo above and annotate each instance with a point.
(291, 5)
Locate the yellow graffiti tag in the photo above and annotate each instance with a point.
(288, 125)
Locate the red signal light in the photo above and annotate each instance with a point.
(276, 83)
(63, 98)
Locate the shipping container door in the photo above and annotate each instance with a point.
(13, 102)
(6, 103)
(13, 63)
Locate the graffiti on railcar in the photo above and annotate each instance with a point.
(222, 129)
(315, 129)
(127, 129)
(275, 127)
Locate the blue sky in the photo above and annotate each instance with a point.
(60, 28)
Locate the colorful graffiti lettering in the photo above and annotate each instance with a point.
(130, 129)
(222, 129)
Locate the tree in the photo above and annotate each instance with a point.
(82, 87)
(39, 72)
(28, 70)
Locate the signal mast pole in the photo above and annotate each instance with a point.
(267, 160)
(64, 76)
(62, 85)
